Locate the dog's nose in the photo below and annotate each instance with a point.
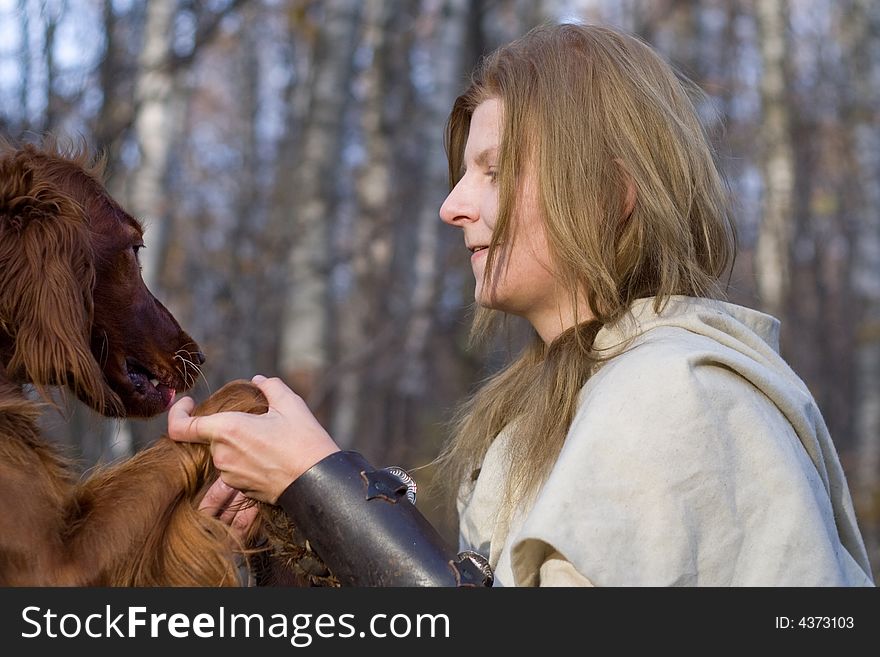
(200, 357)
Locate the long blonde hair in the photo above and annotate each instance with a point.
(601, 113)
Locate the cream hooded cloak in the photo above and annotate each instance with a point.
(696, 457)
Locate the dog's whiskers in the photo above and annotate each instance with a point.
(184, 370)
(186, 361)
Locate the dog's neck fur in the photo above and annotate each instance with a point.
(7, 349)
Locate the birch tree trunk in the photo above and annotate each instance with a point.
(306, 325)
(772, 261)
(361, 335)
(108, 74)
(52, 15)
(26, 64)
(249, 215)
(154, 131)
(116, 105)
(299, 34)
(446, 56)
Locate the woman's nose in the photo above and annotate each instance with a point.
(458, 208)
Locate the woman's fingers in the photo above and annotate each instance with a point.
(183, 427)
(180, 421)
(244, 517)
(217, 498)
(278, 394)
(183, 406)
(228, 505)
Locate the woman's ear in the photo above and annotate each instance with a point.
(629, 186)
(629, 200)
(46, 281)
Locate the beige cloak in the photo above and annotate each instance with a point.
(696, 457)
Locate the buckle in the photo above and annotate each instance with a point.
(473, 569)
(407, 480)
(389, 484)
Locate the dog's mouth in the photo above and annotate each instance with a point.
(149, 385)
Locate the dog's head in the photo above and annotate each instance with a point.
(74, 309)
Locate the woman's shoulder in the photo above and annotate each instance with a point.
(651, 359)
(673, 383)
(675, 366)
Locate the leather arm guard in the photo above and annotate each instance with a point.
(359, 521)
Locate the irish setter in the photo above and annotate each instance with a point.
(75, 312)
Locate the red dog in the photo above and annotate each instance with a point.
(74, 312)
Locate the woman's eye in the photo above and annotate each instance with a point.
(493, 174)
(136, 248)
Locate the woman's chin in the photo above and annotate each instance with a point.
(488, 302)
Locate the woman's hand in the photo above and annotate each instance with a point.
(227, 505)
(260, 455)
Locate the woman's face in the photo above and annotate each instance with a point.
(525, 285)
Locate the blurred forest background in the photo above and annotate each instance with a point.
(287, 159)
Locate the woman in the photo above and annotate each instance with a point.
(651, 434)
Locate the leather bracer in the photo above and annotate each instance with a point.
(359, 521)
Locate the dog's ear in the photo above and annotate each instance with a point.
(47, 278)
